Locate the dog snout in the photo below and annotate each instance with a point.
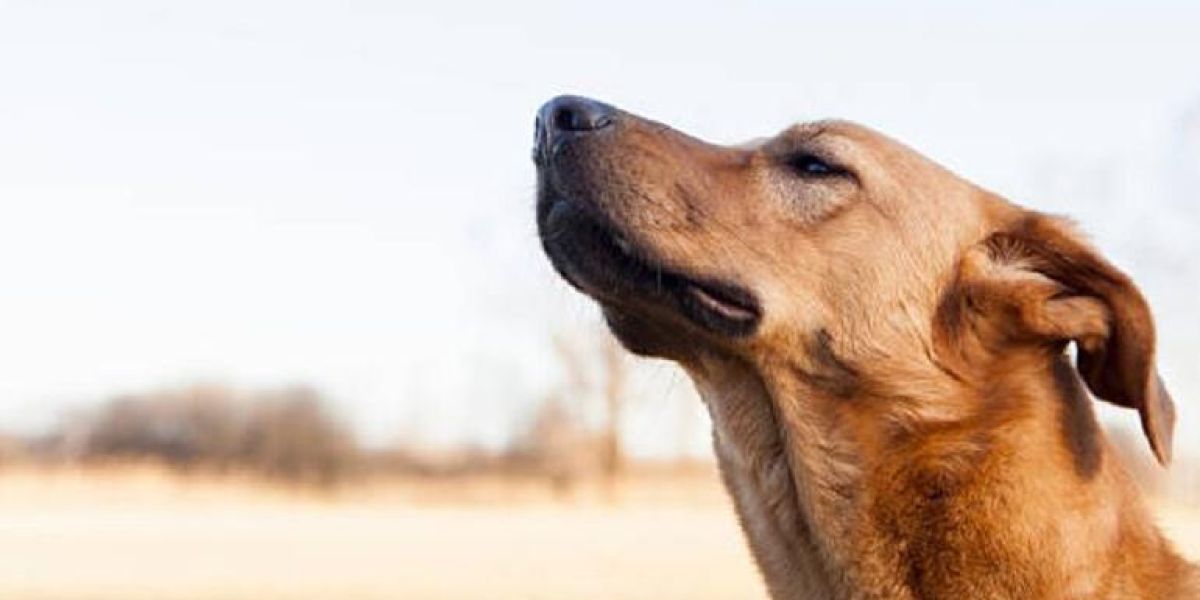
(566, 116)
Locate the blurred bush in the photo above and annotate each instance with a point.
(291, 436)
(557, 446)
(187, 429)
(288, 435)
(11, 449)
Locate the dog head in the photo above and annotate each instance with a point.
(834, 248)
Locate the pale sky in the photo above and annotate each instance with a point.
(266, 192)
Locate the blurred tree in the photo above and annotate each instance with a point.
(287, 435)
(290, 436)
(556, 444)
(595, 369)
(184, 429)
(613, 375)
(11, 449)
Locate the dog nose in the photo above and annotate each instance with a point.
(567, 115)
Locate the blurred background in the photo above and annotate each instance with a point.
(274, 322)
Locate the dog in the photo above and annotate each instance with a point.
(884, 349)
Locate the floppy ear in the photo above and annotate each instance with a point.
(1049, 287)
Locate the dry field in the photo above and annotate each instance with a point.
(133, 535)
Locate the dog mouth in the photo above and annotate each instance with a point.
(596, 258)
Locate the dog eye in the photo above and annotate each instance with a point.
(811, 166)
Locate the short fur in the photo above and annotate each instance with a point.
(900, 420)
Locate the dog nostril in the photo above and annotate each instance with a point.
(573, 118)
(566, 119)
(573, 113)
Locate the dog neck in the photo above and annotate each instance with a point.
(790, 484)
(840, 499)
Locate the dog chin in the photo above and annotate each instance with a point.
(646, 335)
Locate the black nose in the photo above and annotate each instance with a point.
(566, 115)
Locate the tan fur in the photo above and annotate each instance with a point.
(903, 422)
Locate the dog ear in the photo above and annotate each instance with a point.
(1040, 283)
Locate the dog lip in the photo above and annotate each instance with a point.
(722, 303)
(629, 270)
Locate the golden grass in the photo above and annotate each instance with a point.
(134, 534)
(139, 534)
